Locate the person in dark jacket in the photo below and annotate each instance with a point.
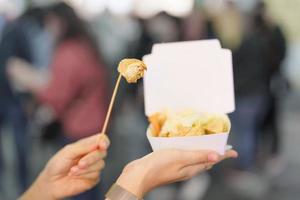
(255, 62)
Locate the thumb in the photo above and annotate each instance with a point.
(103, 141)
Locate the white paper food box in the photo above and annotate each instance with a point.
(189, 75)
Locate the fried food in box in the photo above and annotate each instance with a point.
(157, 120)
(187, 123)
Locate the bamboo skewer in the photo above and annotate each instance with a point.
(111, 104)
(132, 70)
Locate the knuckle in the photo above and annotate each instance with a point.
(68, 147)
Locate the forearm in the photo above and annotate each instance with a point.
(38, 190)
(131, 184)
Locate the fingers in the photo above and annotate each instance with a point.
(103, 141)
(91, 158)
(96, 167)
(193, 170)
(204, 160)
(92, 176)
(85, 146)
(212, 159)
(197, 157)
(90, 179)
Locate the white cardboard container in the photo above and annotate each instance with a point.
(189, 75)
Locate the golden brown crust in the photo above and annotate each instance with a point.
(157, 120)
(214, 125)
(164, 125)
(132, 69)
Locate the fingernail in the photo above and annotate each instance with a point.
(236, 155)
(213, 157)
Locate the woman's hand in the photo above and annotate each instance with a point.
(167, 166)
(73, 170)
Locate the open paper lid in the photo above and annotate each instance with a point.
(169, 48)
(203, 83)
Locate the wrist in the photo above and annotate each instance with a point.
(43, 187)
(134, 180)
(39, 190)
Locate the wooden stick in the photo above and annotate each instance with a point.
(111, 105)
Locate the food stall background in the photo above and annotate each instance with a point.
(128, 28)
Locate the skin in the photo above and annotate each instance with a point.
(167, 166)
(74, 169)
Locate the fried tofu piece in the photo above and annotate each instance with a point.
(157, 120)
(132, 69)
(214, 125)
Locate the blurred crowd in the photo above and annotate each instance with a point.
(57, 72)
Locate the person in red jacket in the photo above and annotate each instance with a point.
(76, 88)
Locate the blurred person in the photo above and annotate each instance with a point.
(145, 41)
(117, 35)
(164, 28)
(2, 24)
(77, 167)
(198, 25)
(277, 86)
(193, 26)
(228, 25)
(255, 62)
(41, 41)
(16, 41)
(76, 89)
